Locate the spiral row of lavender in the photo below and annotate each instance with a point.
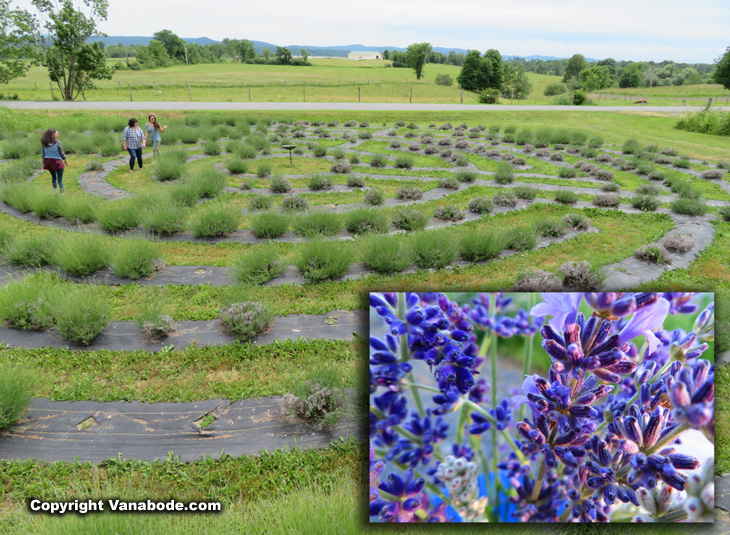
(599, 430)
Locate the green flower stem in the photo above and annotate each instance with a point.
(493, 362)
(460, 428)
(538, 481)
(676, 515)
(404, 355)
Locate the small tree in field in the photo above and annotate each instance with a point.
(721, 75)
(444, 79)
(61, 45)
(16, 39)
(416, 56)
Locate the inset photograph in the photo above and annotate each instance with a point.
(552, 407)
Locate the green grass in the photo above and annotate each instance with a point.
(16, 389)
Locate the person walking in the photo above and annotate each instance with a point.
(134, 141)
(153, 134)
(54, 159)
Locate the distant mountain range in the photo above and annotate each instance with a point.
(327, 51)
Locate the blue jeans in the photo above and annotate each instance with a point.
(57, 178)
(135, 153)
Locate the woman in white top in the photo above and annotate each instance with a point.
(153, 131)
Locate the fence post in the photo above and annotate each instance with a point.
(50, 84)
(129, 87)
(304, 92)
(190, 93)
(410, 99)
(462, 97)
(358, 94)
(249, 93)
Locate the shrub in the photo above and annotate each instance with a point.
(481, 246)
(503, 174)
(505, 198)
(236, 166)
(215, 220)
(489, 96)
(263, 169)
(366, 222)
(631, 146)
(321, 261)
(258, 268)
(409, 220)
(260, 202)
(444, 79)
(319, 399)
(645, 203)
(449, 183)
(134, 259)
(579, 98)
(16, 149)
(162, 218)
(78, 314)
(711, 174)
(79, 254)
(521, 239)
(603, 174)
(655, 253)
(689, 207)
(207, 183)
(387, 254)
(378, 160)
(555, 88)
(567, 172)
(23, 303)
(403, 161)
(246, 320)
(211, 148)
(374, 197)
(557, 157)
(44, 203)
(481, 205)
(577, 221)
(724, 213)
(611, 187)
(279, 184)
(355, 182)
(269, 226)
(682, 163)
(655, 175)
(320, 183)
(526, 193)
(409, 193)
(246, 152)
(30, 251)
(606, 199)
(465, 175)
(550, 228)
(16, 391)
(318, 224)
(18, 195)
(461, 161)
(294, 203)
(365, 135)
(154, 323)
(580, 276)
(537, 281)
(680, 243)
(449, 213)
(168, 168)
(94, 165)
(117, 216)
(566, 197)
(434, 249)
(648, 189)
(354, 159)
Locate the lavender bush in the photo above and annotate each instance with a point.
(596, 438)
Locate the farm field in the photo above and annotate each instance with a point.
(370, 201)
(327, 80)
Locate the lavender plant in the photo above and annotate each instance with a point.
(595, 438)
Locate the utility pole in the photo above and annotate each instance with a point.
(186, 52)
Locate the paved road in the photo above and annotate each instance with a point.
(324, 106)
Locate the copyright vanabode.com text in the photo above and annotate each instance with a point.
(83, 507)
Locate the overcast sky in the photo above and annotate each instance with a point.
(683, 31)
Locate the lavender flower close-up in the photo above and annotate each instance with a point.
(572, 407)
